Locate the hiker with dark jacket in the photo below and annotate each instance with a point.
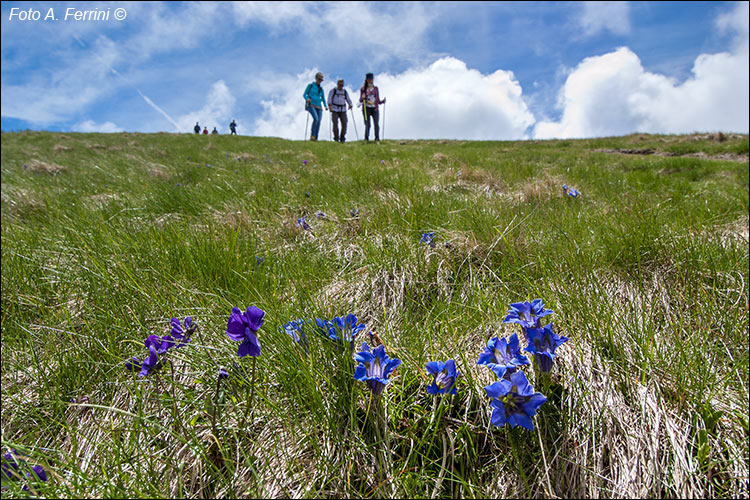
(314, 97)
(338, 98)
(370, 99)
(197, 128)
(233, 128)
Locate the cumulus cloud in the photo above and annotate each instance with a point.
(596, 17)
(444, 100)
(613, 94)
(216, 112)
(92, 126)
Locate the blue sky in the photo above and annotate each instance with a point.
(454, 70)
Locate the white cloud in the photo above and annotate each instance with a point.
(91, 126)
(216, 112)
(444, 100)
(376, 31)
(596, 17)
(613, 94)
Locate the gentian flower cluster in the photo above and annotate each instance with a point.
(428, 238)
(10, 468)
(512, 397)
(340, 330)
(572, 192)
(303, 224)
(374, 367)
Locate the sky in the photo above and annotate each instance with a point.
(448, 70)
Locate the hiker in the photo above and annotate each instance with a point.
(197, 128)
(338, 98)
(370, 99)
(214, 131)
(205, 130)
(313, 99)
(233, 128)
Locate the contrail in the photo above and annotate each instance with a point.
(145, 98)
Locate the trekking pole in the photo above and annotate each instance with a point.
(330, 125)
(383, 121)
(306, 119)
(354, 122)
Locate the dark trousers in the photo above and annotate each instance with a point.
(373, 113)
(335, 117)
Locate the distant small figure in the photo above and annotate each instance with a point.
(233, 128)
(197, 128)
(214, 131)
(205, 130)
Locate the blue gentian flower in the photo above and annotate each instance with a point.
(427, 238)
(183, 336)
(327, 328)
(542, 344)
(354, 212)
(565, 189)
(294, 330)
(445, 375)
(374, 367)
(514, 401)
(304, 225)
(527, 314)
(574, 193)
(504, 353)
(259, 260)
(242, 328)
(320, 215)
(223, 374)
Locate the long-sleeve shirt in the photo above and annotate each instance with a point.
(337, 100)
(314, 92)
(370, 96)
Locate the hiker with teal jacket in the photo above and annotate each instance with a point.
(314, 97)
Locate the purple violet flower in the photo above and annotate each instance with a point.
(374, 367)
(542, 344)
(10, 464)
(183, 336)
(242, 328)
(514, 401)
(527, 314)
(223, 374)
(445, 375)
(503, 353)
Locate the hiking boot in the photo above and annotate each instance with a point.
(343, 140)
(313, 138)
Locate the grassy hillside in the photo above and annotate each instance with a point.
(105, 238)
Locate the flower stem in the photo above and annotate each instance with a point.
(252, 393)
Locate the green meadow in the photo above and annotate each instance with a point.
(106, 237)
